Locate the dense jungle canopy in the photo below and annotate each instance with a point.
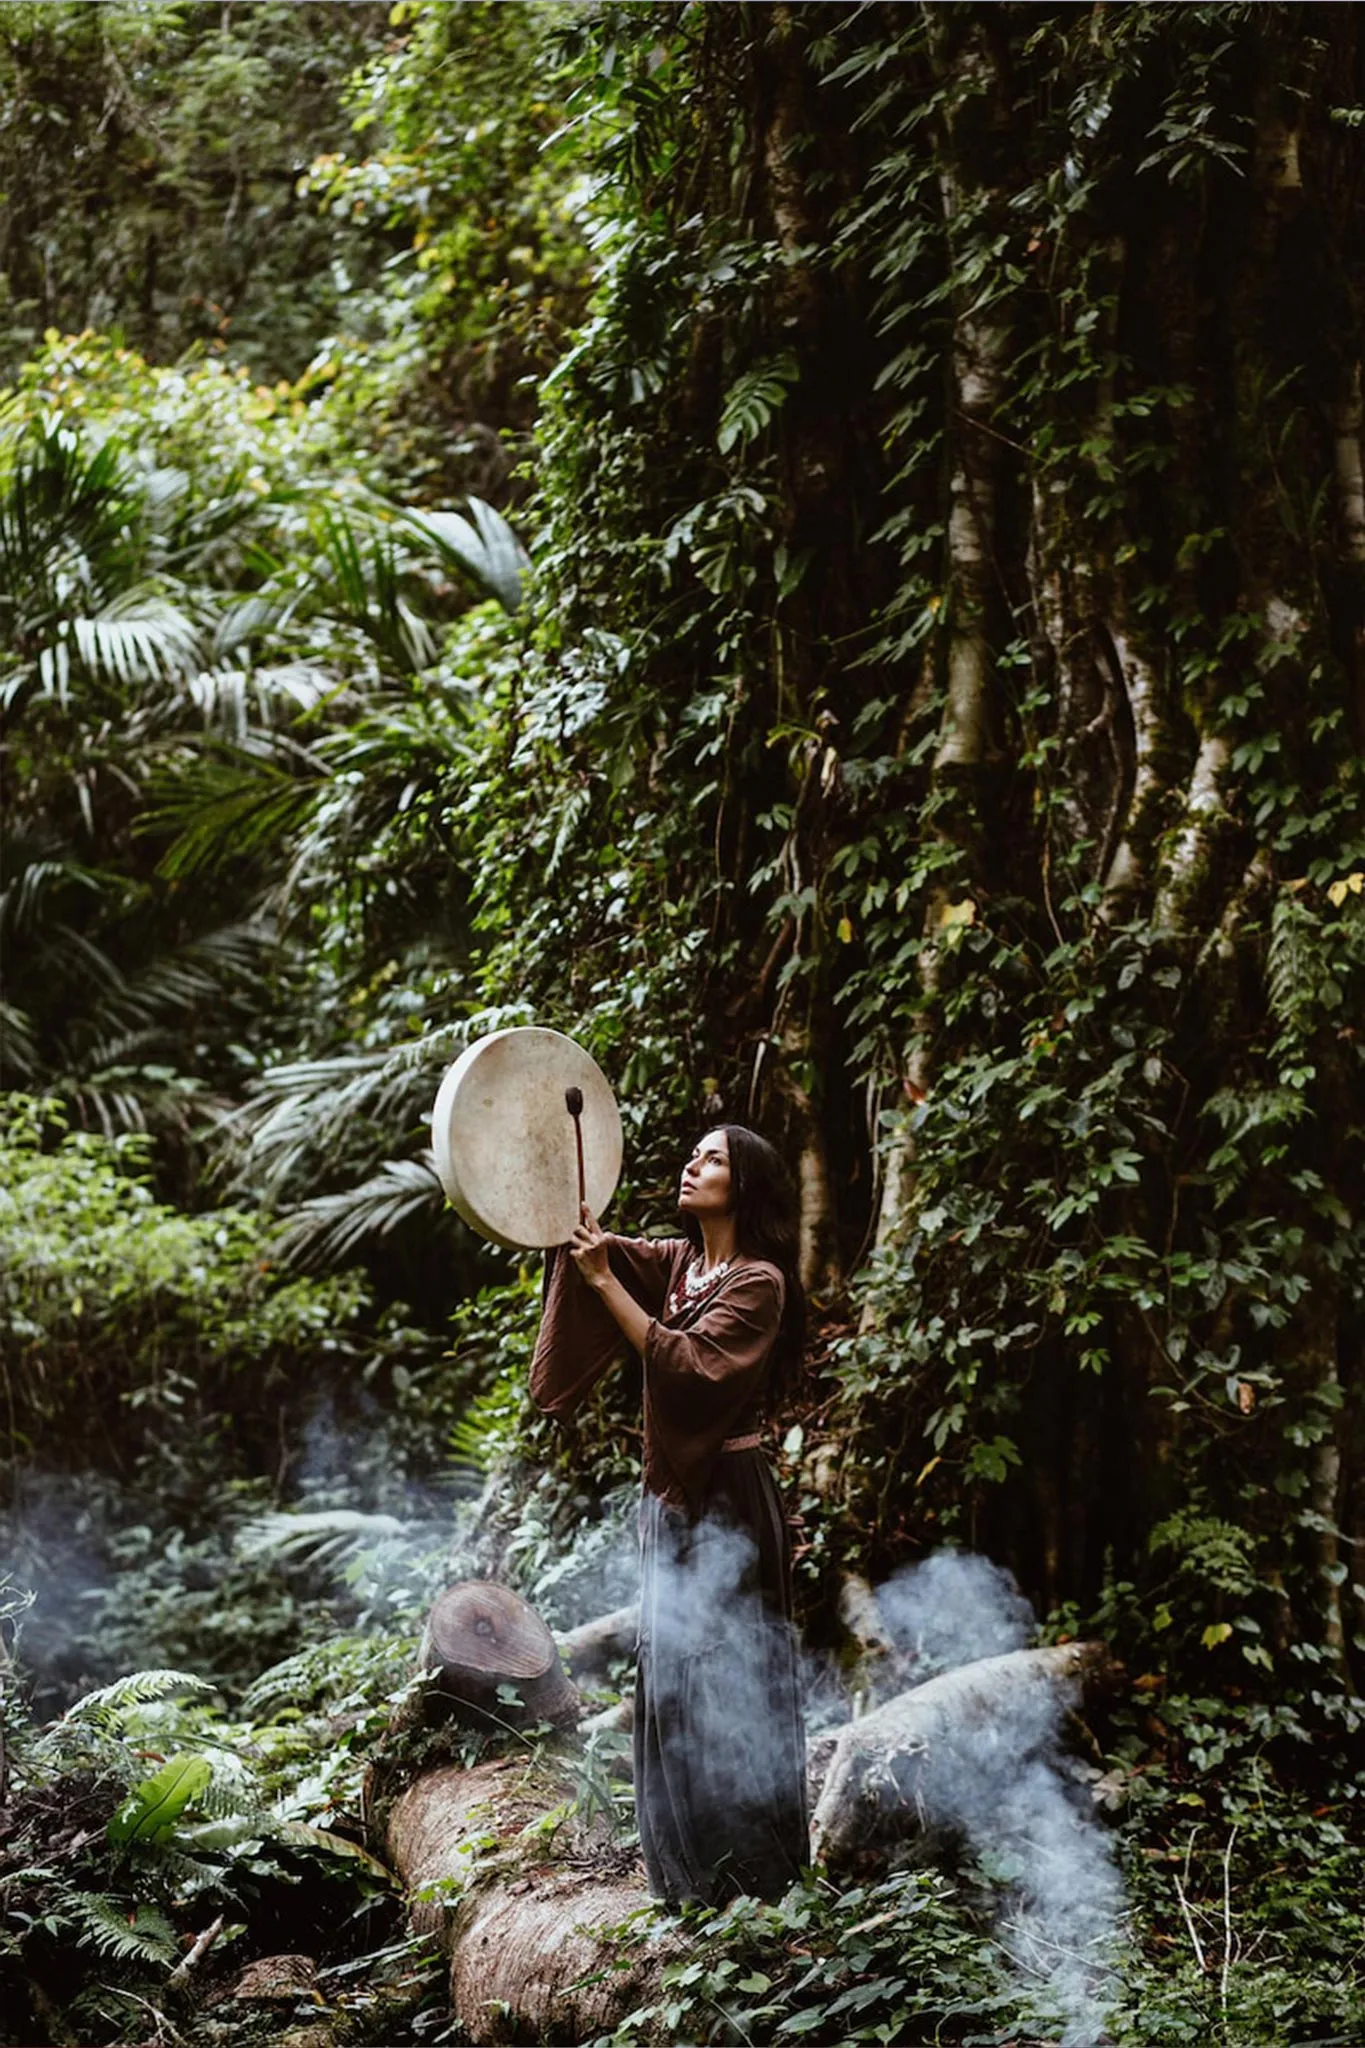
(820, 550)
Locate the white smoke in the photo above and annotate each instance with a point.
(952, 1609)
(999, 1777)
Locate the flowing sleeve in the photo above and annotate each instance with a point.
(706, 1381)
(579, 1337)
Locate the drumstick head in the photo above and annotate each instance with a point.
(573, 1101)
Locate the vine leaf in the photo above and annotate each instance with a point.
(753, 399)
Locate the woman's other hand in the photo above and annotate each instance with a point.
(588, 1249)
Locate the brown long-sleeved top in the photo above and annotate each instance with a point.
(705, 1361)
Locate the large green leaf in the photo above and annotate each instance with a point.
(153, 1809)
(482, 547)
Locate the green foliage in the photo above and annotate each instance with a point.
(929, 728)
(113, 1302)
(1238, 1883)
(150, 157)
(149, 1816)
(250, 678)
(903, 1959)
(460, 183)
(254, 1818)
(107, 1705)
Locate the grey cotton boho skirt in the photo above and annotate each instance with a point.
(720, 1755)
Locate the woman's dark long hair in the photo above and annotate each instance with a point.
(767, 1226)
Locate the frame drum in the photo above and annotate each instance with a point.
(504, 1139)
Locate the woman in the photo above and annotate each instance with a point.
(718, 1318)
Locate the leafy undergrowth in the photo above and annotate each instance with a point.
(153, 1811)
(156, 1846)
(1243, 1929)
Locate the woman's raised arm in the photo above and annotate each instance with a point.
(580, 1336)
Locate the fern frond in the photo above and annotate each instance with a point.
(144, 1936)
(344, 1672)
(109, 1702)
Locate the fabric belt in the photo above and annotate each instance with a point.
(743, 1443)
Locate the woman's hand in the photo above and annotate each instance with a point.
(588, 1249)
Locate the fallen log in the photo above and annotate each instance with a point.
(590, 1648)
(547, 1922)
(527, 1899)
(525, 1894)
(617, 1720)
(892, 1773)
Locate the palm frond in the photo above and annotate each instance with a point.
(306, 1112)
(328, 1229)
(325, 1537)
(65, 949)
(69, 520)
(36, 880)
(199, 529)
(221, 965)
(261, 612)
(482, 547)
(240, 699)
(302, 1117)
(230, 803)
(138, 637)
(361, 582)
(18, 1044)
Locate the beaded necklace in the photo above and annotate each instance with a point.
(694, 1284)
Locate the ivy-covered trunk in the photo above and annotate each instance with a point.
(992, 496)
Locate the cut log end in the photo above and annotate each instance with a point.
(487, 1630)
(481, 1636)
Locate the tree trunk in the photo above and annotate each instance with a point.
(895, 1770)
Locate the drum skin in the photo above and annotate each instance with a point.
(504, 1140)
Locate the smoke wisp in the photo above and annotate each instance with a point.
(993, 1770)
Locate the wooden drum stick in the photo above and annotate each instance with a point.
(573, 1102)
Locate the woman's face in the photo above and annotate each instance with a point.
(705, 1189)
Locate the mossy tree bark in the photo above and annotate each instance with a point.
(1043, 618)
